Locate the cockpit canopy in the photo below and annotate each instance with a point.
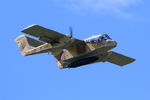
(97, 38)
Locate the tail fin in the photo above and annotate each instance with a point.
(22, 44)
(25, 43)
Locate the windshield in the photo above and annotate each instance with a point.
(98, 38)
(105, 37)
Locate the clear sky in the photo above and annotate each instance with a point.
(38, 78)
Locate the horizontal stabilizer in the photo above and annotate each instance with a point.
(33, 42)
(119, 59)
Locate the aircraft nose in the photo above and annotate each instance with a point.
(111, 42)
(115, 43)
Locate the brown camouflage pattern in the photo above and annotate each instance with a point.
(65, 48)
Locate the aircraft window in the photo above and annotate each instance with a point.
(105, 36)
(97, 39)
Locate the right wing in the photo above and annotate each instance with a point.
(119, 59)
(44, 34)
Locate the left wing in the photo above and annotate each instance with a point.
(119, 59)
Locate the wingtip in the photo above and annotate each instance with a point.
(133, 60)
(24, 29)
(129, 62)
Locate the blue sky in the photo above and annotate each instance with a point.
(38, 78)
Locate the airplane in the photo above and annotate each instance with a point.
(70, 52)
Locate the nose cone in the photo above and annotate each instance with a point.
(111, 43)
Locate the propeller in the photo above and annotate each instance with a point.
(71, 32)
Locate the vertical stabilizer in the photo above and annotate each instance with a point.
(22, 44)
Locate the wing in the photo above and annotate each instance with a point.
(119, 59)
(44, 34)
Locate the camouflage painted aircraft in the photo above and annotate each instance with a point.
(68, 51)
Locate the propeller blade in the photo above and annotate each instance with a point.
(71, 32)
